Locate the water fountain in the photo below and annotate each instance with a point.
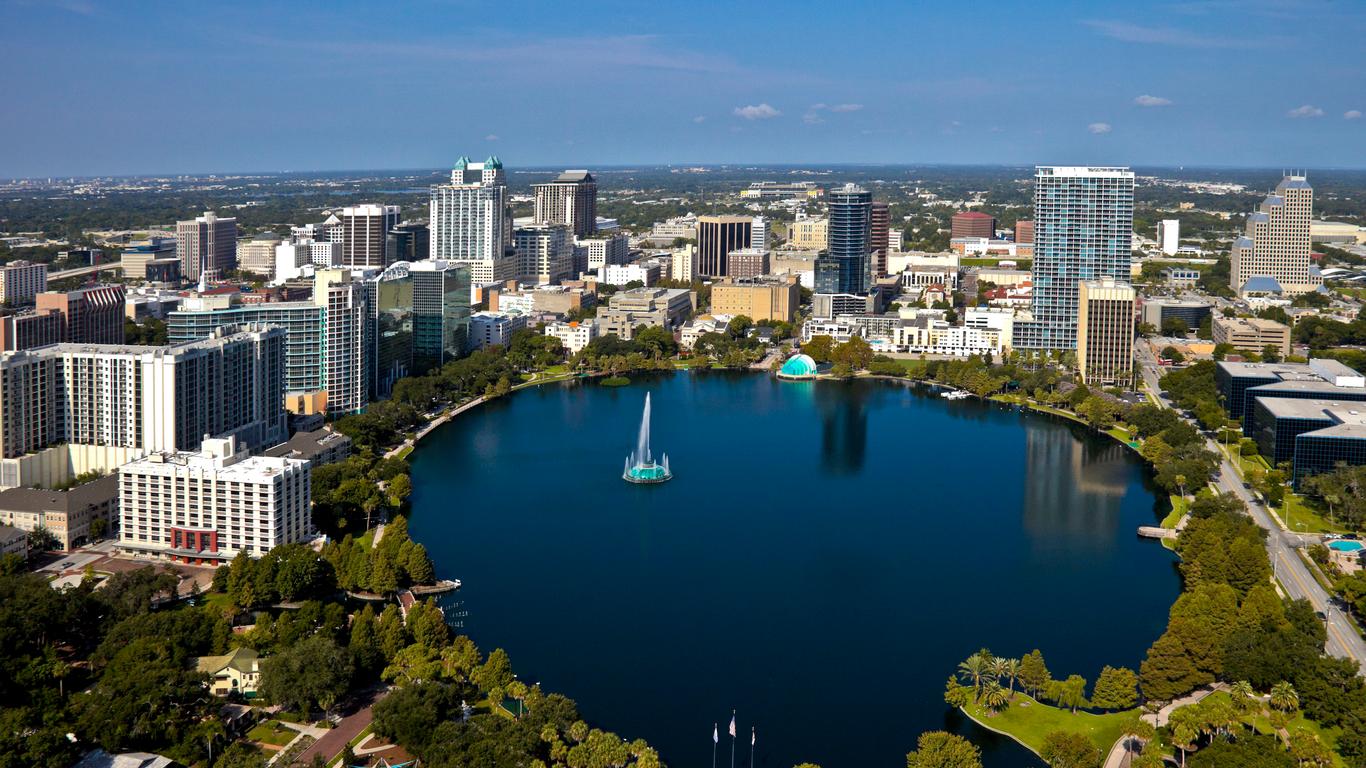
(640, 465)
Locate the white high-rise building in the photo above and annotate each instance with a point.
(759, 234)
(1272, 256)
(605, 250)
(349, 343)
(206, 246)
(470, 222)
(545, 253)
(20, 281)
(1169, 236)
(205, 507)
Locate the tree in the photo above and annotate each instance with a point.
(1116, 688)
(939, 749)
(954, 694)
(975, 669)
(496, 671)
(1034, 673)
(1064, 749)
(314, 672)
(419, 566)
(819, 348)
(1283, 697)
(1069, 693)
(994, 696)
(1184, 728)
(413, 664)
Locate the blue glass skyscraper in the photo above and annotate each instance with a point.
(844, 267)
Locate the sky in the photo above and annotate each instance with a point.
(97, 87)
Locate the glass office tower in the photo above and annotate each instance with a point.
(844, 267)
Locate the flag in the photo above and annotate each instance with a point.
(732, 725)
(715, 734)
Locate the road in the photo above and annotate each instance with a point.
(1343, 639)
(78, 271)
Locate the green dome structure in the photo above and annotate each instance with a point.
(798, 367)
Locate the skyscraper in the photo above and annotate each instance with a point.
(409, 241)
(470, 223)
(423, 316)
(844, 267)
(572, 199)
(20, 281)
(1083, 228)
(717, 236)
(1169, 236)
(1105, 332)
(1276, 243)
(348, 363)
(881, 231)
(545, 253)
(759, 233)
(364, 234)
(91, 315)
(206, 245)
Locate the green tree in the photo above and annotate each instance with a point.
(939, 749)
(1065, 749)
(496, 671)
(315, 672)
(1034, 673)
(413, 664)
(1116, 688)
(419, 566)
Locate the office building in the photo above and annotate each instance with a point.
(409, 241)
(809, 234)
(67, 514)
(1181, 277)
(620, 275)
(717, 236)
(1156, 312)
(545, 253)
(30, 329)
(1105, 332)
(257, 255)
(20, 281)
(470, 223)
(570, 199)
(1313, 435)
(574, 336)
(422, 319)
(801, 190)
(1240, 383)
(1083, 227)
(91, 315)
(1275, 245)
(604, 250)
(880, 234)
(683, 264)
(138, 259)
(895, 241)
(747, 262)
(206, 507)
(760, 233)
(1252, 334)
(494, 328)
(758, 298)
(844, 268)
(972, 224)
(365, 234)
(206, 247)
(1024, 231)
(1169, 236)
(665, 308)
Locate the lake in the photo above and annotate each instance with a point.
(824, 557)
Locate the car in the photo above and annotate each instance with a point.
(1247, 485)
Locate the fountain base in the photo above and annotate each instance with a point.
(647, 474)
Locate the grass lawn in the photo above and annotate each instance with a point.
(911, 365)
(1029, 721)
(216, 600)
(403, 452)
(1179, 507)
(1298, 511)
(272, 732)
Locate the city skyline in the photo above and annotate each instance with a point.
(1193, 83)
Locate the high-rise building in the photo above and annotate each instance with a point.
(409, 241)
(809, 234)
(880, 235)
(759, 233)
(844, 268)
(207, 506)
(470, 223)
(972, 224)
(545, 253)
(302, 321)
(422, 319)
(91, 315)
(1276, 243)
(717, 236)
(683, 264)
(31, 329)
(206, 246)
(570, 199)
(348, 363)
(1024, 231)
(1083, 229)
(1105, 332)
(604, 250)
(365, 234)
(20, 281)
(1169, 236)
(747, 262)
(257, 255)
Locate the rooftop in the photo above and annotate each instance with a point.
(41, 500)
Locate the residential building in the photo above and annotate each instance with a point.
(1105, 332)
(926, 335)
(207, 506)
(895, 236)
(488, 329)
(844, 268)
(409, 241)
(1083, 227)
(138, 258)
(747, 262)
(365, 234)
(1276, 243)
(665, 308)
(545, 253)
(543, 299)
(573, 335)
(257, 255)
(813, 234)
(20, 281)
(604, 250)
(880, 235)
(717, 236)
(760, 233)
(758, 298)
(206, 247)
(1169, 236)
(999, 319)
(91, 315)
(237, 673)
(683, 264)
(972, 224)
(828, 306)
(70, 515)
(470, 223)
(1024, 231)
(570, 199)
(13, 542)
(624, 274)
(30, 329)
(139, 304)
(1252, 334)
(348, 352)
(303, 322)
(1156, 312)
(669, 230)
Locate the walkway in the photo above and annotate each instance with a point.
(421, 433)
(336, 739)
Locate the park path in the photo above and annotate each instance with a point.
(421, 433)
(1119, 756)
(1159, 719)
(336, 739)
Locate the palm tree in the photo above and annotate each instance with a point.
(974, 670)
(1283, 697)
(1011, 672)
(994, 696)
(1241, 692)
(1184, 731)
(1332, 499)
(1137, 729)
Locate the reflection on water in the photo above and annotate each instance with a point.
(844, 427)
(1073, 488)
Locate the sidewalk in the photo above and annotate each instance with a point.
(336, 739)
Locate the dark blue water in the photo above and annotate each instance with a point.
(824, 557)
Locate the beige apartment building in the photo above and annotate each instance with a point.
(1105, 332)
(759, 298)
(20, 281)
(68, 515)
(1273, 253)
(809, 233)
(1251, 334)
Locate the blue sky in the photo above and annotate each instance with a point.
(96, 87)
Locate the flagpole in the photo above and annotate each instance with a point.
(751, 746)
(732, 738)
(714, 740)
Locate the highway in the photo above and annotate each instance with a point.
(1343, 639)
(78, 271)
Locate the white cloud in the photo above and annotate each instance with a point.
(1352, 114)
(491, 137)
(1152, 101)
(700, 119)
(846, 108)
(1137, 33)
(760, 111)
(812, 118)
(1308, 110)
(1099, 128)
